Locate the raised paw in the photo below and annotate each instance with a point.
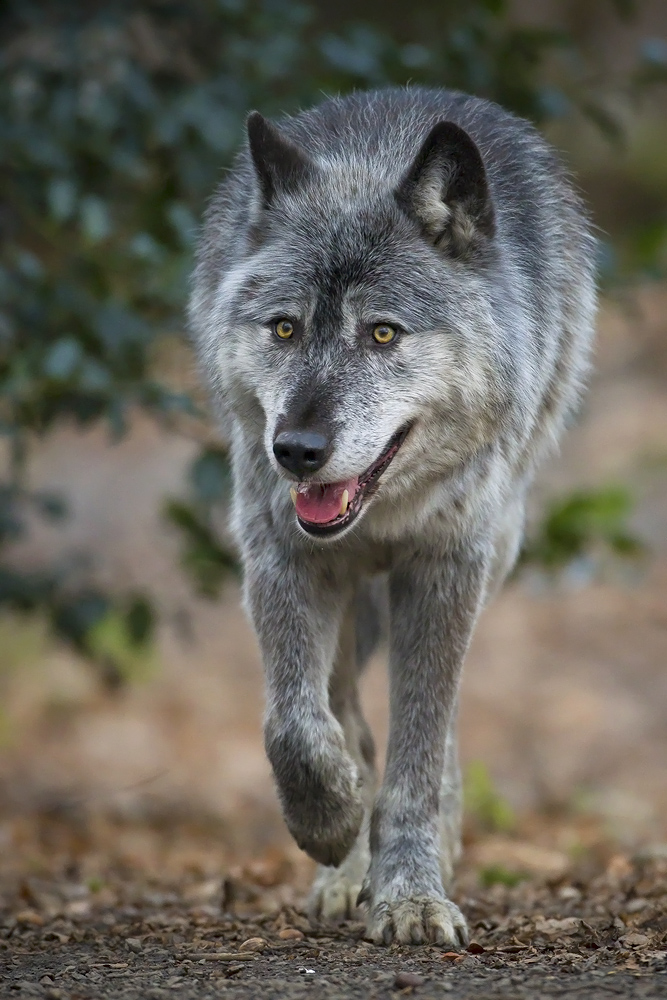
(417, 921)
(328, 832)
(319, 788)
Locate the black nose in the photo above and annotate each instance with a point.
(302, 452)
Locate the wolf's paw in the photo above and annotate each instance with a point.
(417, 921)
(319, 788)
(335, 891)
(326, 832)
(334, 895)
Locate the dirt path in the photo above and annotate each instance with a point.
(596, 929)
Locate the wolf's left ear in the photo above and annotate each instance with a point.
(279, 163)
(446, 189)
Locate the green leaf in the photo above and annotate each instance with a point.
(498, 875)
(76, 615)
(140, 620)
(483, 802)
(95, 218)
(63, 359)
(581, 523)
(111, 641)
(202, 557)
(61, 198)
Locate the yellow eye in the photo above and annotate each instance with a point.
(284, 329)
(383, 333)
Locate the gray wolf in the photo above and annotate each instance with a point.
(393, 304)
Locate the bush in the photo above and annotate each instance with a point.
(115, 121)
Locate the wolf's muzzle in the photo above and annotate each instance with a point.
(301, 452)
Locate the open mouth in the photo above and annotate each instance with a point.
(327, 508)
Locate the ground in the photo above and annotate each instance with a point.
(160, 919)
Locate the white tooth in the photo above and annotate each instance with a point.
(343, 502)
(292, 493)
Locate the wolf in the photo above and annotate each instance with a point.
(393, 302)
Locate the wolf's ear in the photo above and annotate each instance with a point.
(279, 164)
(446, 189)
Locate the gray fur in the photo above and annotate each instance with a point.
(468, 237)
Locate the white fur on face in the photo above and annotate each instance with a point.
(422, 380)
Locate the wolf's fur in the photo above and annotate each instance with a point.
(366, 209)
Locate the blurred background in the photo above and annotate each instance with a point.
(130, 682)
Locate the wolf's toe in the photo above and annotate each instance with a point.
(334, 898)
(417, 921)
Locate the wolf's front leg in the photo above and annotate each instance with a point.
(434, 604)
(335, 890)
(296, 602)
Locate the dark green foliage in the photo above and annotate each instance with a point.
(584, 524)
(203, 556)
(115, 122)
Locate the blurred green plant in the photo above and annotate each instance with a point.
(584, 525)
(203, 556)
(483, 804)
(499, 875)
(115, 121)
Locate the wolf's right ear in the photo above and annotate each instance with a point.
(279, 163)
(446, 189)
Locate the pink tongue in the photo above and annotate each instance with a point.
(321, 502)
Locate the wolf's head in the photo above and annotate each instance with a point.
(355, 330)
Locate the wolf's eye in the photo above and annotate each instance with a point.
(283, 329)
(383, 333)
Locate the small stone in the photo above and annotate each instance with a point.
(56, 936)
(405, 979)
(253, 944)
(30, 917)
(618, 868)
(634, 940)
(291, 934)
(78, 908)
(556, 928)
(134, 944)
(475, 948)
